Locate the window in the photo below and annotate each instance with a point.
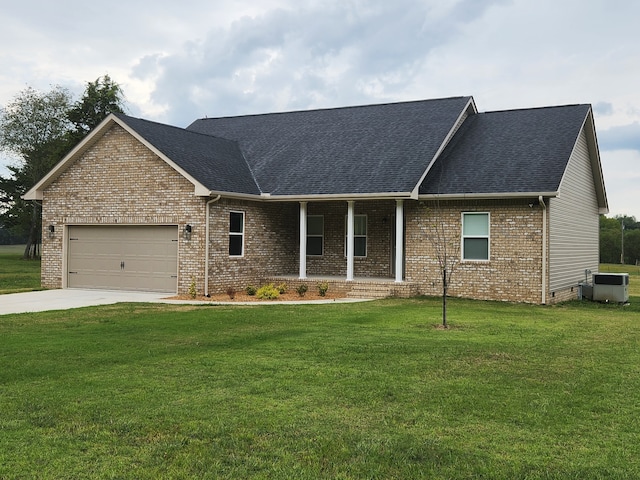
(359, 236)
(315, 235)
(236, 234)
(475, 236)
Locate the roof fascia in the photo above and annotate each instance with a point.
(35, 192)
(487, 196)
(468, 110)
(336, 197)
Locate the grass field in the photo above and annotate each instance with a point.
(370, 390)
(17, 275)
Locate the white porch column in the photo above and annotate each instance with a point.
(350, 239)
(399, 239)
(303, 240)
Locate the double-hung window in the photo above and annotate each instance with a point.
(475, 236)
(359, 235)
(315, 235)
(236, 234)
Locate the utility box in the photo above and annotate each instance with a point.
(611, 287)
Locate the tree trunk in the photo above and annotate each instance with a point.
(31, 251)
(444, 297)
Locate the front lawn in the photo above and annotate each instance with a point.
(17, 275)
(369, 390)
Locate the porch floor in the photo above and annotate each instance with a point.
(360, 287)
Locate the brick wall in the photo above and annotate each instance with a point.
(119, 181)
(513, 272)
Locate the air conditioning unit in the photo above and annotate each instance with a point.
(611, 287)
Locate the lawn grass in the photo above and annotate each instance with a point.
(17, 275)
(371, 390)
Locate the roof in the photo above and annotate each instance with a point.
(373, 149)
(216, 163)
(514, 151)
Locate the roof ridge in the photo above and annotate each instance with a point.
(547, 107)
(328, 109)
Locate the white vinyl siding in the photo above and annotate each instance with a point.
(574, 223)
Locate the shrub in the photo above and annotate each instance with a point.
(302, 289)
(268, 292)
(250, 290)
(192, 288)
(231, 292)
(322, 288)
(282, 288)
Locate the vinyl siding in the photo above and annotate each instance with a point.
(574, 223)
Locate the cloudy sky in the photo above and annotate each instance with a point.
(178, 61)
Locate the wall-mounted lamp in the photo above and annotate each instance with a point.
(52, 231)
(187, 232)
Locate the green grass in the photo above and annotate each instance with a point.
(17, 275)
(369, 390)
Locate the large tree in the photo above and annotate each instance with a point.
(40, 128)
(34, 127)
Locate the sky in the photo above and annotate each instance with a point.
(179, 61)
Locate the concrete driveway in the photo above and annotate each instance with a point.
(71, 298)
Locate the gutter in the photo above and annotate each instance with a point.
(206, 246)
(544, 249)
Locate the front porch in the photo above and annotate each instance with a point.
(368, 287)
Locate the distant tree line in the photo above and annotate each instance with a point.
(40, 128)
(619, 240)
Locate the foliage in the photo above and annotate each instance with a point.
(302, 289)
(193, 292)
(267, 292)
(367, 390)
(40, 128)
(251, 290)
(282, 288)
(322, 288)
(612, 233)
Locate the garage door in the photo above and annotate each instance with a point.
(123, 257)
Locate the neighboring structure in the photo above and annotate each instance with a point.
(348, 194)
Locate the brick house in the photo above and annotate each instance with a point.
(364, 197)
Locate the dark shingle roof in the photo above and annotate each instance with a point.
(354, 150)
(514, 151)
(216, 163)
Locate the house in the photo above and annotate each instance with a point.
(359, 196)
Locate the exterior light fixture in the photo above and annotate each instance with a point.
(52, 231)
(187, 232)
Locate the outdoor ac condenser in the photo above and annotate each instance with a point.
(611, 287)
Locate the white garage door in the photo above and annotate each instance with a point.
(123, 257)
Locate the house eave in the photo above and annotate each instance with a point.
(486, 196)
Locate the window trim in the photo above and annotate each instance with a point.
(236, 234)
(463, 237)
(365, 236)
(321, 236)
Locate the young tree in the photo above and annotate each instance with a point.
(33, 126)
(445, 240)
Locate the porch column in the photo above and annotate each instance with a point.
(303, 240)
(399, 239)
(350, 239)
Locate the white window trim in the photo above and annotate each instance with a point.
(488, 237)
(238, 233)
(315, 236)
(366, 237)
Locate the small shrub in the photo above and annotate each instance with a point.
(192, 288)
(322, 288)
(282, 288)
(268, 292)
(231, 292)
(250, 290)
(302, 289)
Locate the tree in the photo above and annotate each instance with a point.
(34, 126)
(446, 245)
(619, 237)
(40, 128)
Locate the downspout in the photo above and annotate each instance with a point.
(544, 249)
(206, 246)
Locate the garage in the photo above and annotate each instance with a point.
(141, 258)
